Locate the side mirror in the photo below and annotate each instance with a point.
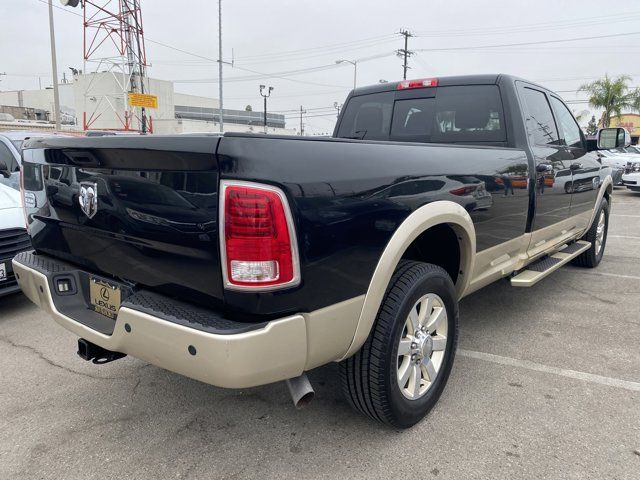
(610, 138)
(4, 169)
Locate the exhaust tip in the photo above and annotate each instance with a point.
(301, 391)
(305, 400)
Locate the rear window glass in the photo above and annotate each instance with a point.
(458, 114)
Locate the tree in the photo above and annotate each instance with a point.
(248, 108)
(592, 127)
(612, 95)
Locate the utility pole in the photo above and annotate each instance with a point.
(220, 62)
(54, 67)
(337, 106)
(405, 52)
(265, 95)
(301, 124)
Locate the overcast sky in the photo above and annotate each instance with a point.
(284, 35)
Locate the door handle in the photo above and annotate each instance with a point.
(575, 166)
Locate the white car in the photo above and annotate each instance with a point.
(13, 231)
(631, 177)
(617, 161)
(13, 234)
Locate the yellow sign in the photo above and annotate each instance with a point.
(630, 121)
(143, 100)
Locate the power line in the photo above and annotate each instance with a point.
(541, 42)
(585, 21)
(186, 52)
(307, 50)
(283, 74)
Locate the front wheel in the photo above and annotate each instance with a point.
(401, 370)
(597, 235)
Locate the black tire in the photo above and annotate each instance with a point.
(369, 378)
(591, 258)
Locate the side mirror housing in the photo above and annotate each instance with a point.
(610, 138)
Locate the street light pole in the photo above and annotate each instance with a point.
(265, 96)
(355, 69)
(54, 67)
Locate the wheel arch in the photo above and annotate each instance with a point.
(428, 218)
(606, 190)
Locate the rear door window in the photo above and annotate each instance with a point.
(367, 117)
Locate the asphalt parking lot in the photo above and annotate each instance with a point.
(546, 385)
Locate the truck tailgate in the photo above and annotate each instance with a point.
(141, 212)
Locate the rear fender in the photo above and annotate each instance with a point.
(424, 218)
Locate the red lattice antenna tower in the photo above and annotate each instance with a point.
(115, 61)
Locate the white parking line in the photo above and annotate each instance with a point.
(587, 377)
(631, 237)
(621, 215)
(604, 274)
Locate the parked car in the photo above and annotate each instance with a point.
(617, 162)
(631, 149)
(353, 249)
(18, 137)
(10, 152)
(631, 177)
(13, 234)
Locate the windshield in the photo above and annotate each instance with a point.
(13, 181)
(18, 144)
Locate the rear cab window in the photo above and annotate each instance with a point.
(470, 114)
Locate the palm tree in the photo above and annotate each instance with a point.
(612, 95)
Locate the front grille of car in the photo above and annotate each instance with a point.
(12, 242)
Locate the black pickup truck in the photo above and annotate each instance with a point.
(241, 260)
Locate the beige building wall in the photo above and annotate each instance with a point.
(183, 125)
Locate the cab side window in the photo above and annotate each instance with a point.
(569, 129)
(539, 119)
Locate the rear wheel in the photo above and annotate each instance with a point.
(597, 235)
(401, 370)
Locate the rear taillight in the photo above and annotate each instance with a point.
(258, 242)
(422, 83)
(466, 190)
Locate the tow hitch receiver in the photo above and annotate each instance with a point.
(91, 351)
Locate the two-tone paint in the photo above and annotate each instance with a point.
(348, 199)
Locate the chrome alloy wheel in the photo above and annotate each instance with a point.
(422, 346)
(600, 231)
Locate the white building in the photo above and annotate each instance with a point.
(97, 101)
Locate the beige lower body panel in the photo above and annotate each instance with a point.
(283, 349)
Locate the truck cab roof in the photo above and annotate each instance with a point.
(446, 81)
